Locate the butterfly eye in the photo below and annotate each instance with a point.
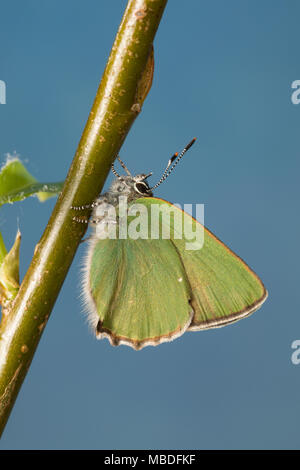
(141, 188)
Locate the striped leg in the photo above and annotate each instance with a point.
(86, 206)
(93, 221)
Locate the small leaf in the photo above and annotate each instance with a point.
(16, 183)
(9, 273)
(42, 190)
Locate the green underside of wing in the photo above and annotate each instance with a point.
(139, 290)
(143, 289)
(222, 285)
(224, 288)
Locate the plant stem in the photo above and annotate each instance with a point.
(115, 107)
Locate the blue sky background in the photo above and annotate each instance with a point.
(223, 73)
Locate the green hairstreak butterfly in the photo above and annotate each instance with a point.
(150, 287)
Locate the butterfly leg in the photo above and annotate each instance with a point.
(79, 220)
(94, 221)
(87, 206)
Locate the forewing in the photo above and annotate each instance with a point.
(224, 289)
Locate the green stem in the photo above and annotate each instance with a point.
(113, 112)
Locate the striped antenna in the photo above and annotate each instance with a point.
(174, 160)
(124, 166)
(114, 171)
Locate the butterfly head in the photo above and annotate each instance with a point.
(141, 185)
(132, 186)
(137, 186)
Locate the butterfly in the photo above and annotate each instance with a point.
(144, 290)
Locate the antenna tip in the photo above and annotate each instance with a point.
(190, 144)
